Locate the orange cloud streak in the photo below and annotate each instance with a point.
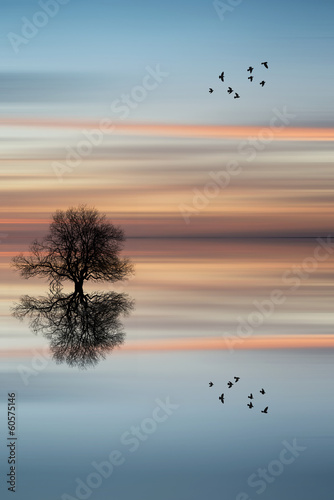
(220, 343)
(174, 130)
(209, 344)
(25, 221)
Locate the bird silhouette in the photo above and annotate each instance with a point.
(262, 83)
(236, 379)
(250, 396)
(210, 90)
(265, 64)
(210, 384)
(230, 90)
(263, 391)
(250, 405)
(265, 410)
(250, 69)
(250, 78)
(236, 96)
(221, 398)
(229, 384)
(222, 76)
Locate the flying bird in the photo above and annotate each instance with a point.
(210, 384)
(230, 90)
(250, 396)
(229, 384)
(236, 379)
(265, 410)
(236, 96)
(262, 83)
(221, 398)
(250, 405)
(210, 90)
(263, 391)
(222, 76)
(250, 78)
(265, 64)
(250, 69)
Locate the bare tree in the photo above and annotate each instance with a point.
(81, 328)
(80, 246)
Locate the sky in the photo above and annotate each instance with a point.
(227, 208)
(88, 54)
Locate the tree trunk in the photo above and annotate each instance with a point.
(78, 287)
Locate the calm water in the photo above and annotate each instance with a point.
(68, 419)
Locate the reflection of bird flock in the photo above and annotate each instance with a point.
(251, 397)
(250, 78)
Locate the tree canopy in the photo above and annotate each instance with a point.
(81, 245)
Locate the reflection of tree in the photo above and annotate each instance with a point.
(81, 327)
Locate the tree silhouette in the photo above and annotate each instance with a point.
(81, 328)
(80, 246)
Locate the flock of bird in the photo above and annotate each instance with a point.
(251, 397)
(250, 78)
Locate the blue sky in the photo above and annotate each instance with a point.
(189, 41)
